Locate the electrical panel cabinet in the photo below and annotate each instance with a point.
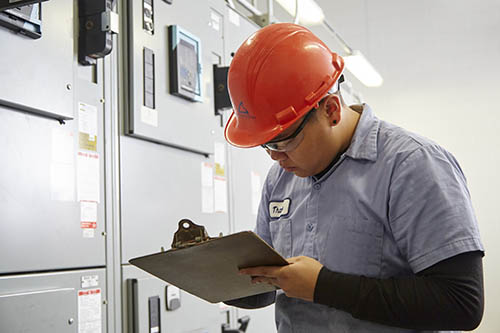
(52, 184)
(37, 75)
(40, 223)
(155, 113)
(53, 302)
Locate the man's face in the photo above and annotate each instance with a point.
(302, 160)
(317, 146)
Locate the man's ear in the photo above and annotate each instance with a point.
(333, 109)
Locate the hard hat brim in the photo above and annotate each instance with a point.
(248, 139)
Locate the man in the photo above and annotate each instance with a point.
(376, 222)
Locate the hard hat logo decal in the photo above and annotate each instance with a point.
(242, 109)
(243, 112)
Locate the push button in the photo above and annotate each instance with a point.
(317, 186)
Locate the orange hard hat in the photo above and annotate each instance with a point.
(277, 75)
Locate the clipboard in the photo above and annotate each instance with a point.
(208, 267)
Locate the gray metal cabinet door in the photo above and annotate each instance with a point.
(61, 302)
(44, 311)
(37, 75)
(38, 230)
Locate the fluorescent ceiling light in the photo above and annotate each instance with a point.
(357, 64)
(309, 11)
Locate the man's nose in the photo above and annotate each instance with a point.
(277, 155)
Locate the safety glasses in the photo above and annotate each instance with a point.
(292, 141)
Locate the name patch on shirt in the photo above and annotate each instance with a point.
(279, 208)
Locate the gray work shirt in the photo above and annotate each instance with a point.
(394, 204)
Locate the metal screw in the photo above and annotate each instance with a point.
(101, 100)
(71, 321)
(104, 233)
(68, 86)
(105, 302)
(89, 25)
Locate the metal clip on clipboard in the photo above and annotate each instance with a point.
(189, 234)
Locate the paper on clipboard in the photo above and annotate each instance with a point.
(209, 269)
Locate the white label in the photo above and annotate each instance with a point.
(149, 116)
(256, 186)
(89, 281)
(62, 182)
(234, 18)
(220, 153)
(215, 19)
(88, 176)
(278, 209)
(88, 233)
(89, 311)
(87, 120)
(88, 211)
(62, 146)
(62, 167)
(207, 187)
(220, 194)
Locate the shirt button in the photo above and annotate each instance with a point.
(317, 186)
(310, 227)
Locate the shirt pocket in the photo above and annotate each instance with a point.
(353, 244)
(281, 236)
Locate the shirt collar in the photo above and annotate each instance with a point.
(364, 141)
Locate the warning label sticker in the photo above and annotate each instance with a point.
(89, 311)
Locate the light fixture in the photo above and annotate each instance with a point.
(356, 62)
(359, 66)
(309, 12)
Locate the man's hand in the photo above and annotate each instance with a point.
(298, 279)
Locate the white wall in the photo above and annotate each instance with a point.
(441, 64)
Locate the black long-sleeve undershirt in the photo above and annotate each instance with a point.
(446, 296)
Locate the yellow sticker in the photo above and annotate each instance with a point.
(88, 142)
(219, 170)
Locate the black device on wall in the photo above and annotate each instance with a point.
(221, 94)
(95, 39)
(185, 64)
(25, 19)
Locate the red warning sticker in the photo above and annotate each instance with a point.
(88, 225)
(89, 292)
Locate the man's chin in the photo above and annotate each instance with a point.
(296, 171)
(300, 173)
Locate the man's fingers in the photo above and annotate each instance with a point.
(292, 260)
(265, 271)
(261, 279)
